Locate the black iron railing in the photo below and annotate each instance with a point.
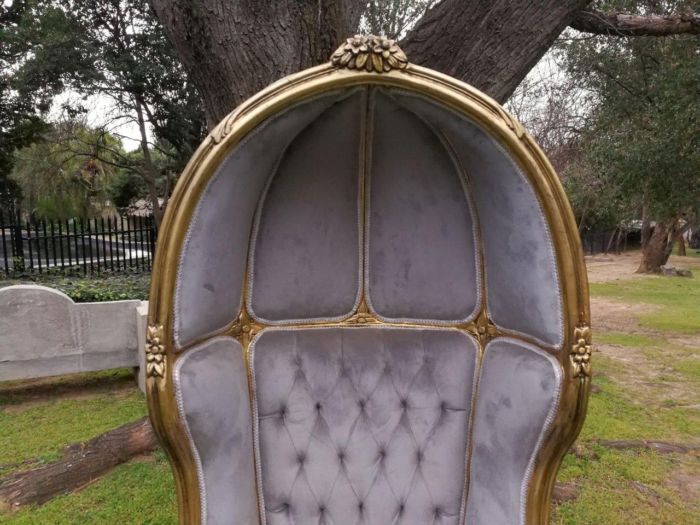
(83, 245)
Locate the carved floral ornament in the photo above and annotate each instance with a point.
(155, 352)
(369, 52)
(581, 352)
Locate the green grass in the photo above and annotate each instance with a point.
(623, 488)
(625, 339)
(615, 414)
(35, 431)
(677, 298)
(136, 493)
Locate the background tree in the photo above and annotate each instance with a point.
(642, 138)
(114, 49)
(56, 183)
(233, 49)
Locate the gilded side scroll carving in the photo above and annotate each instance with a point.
(581, 352)
(155, 352)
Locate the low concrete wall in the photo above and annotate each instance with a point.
(44, 333)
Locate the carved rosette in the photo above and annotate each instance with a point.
(245, 328)
(483, 328)
(155, 352)
(581, 352)
(371, 53)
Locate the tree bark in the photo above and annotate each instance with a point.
(490, 45)
(81, 464)
(621, 24)
(233, 49)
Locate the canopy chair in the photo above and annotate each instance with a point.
(369, 306)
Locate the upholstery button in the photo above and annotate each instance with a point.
(361, 506)
(443, 406)
(419, 456)
(301, 458)
(318, 406)
(322, 509)
(362, 404)
(401, 507)
(438, 512)
(404, 404)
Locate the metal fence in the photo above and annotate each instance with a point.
(84, 245)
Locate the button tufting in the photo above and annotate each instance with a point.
(368, 409)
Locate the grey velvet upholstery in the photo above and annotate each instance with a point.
(306, 257)
(368, 425)
(421, 254)
(212, 265)
(517, 397)
(363, 425)
(523, 291)
(211, 387)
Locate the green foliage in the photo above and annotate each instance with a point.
(642, 143)
(112, 49)
(68, 174)
(106, 287)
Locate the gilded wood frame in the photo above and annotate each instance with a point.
(574, 357)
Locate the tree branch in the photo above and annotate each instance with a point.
(621, 24)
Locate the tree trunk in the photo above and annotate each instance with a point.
(646, 227)
(149, 172)
(81, 464)
(660, 245)
(233, 49)
(681, 246)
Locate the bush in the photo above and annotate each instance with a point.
(104, 287)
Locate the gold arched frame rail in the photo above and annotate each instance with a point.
(573, 357)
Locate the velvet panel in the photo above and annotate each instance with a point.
(522, 281)
(363, 425)
(421, 247)
(305, 261)
(211, 388)
(517, 398)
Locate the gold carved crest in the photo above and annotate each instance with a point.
(371, 53)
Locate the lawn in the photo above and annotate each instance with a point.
(647, 386)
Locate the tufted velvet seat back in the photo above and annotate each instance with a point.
(367, 320)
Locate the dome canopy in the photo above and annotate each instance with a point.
(362, 243)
